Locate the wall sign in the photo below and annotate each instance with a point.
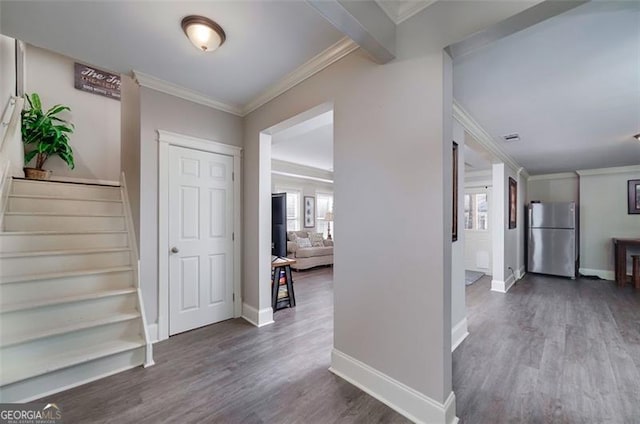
(96, 81)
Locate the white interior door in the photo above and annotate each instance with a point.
(477, 234)
(200, 238)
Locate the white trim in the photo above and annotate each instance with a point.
(602, 273)
(484, 138)
(305, 71)
(414, 405)
(258, 318)
(308, 69)
(559, 176)
(62, 179)
(154, 83)
(503, 286)
(607, 171)
(459, 332)
(21, 68)
(165, 139)
(521, 273)
(302, 177)
(152, 330)
(403, 10)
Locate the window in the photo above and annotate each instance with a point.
(476, 212)
(324, 204)
(293, 208)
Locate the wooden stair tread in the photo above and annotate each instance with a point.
(22, 338)
(46, 197)
(58, 232)
(49, 363)
(68, 299)
(68, 183)
(62, 252)
(91, 215)
(57, 275)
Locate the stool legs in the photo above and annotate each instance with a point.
(636, 271)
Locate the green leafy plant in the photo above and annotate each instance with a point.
(45, 134)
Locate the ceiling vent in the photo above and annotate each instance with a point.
(511, 137)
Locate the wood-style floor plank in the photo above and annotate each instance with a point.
(551, 350)
(233, 372)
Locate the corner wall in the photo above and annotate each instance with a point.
(603, 216)
(458, 299)
(96, 140)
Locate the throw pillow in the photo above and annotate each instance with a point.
(328, 243)
(291, 236)
(316, 239)
(303, 242)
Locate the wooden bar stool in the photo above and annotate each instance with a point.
(636, 271)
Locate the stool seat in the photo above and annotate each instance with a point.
(636, 271)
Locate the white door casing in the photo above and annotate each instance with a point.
(201, 238)
(200, 258)
(478, 249)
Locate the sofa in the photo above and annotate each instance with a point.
(309, 249)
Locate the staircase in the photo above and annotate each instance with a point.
(70, 306)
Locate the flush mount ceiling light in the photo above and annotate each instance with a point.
(637, 137)
(205, 34)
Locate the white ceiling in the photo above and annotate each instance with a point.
(265, 39)
(401, 10)
(309, 143)
(570, 86)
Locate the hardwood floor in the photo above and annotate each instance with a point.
(232, 372)
(551, 351)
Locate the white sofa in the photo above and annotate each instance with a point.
(309, 257)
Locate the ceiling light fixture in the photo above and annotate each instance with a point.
(204, 33)
(637, 137)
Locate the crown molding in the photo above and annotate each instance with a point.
(403, 11)
(154, 83)
(609, 171)
(310, 68)
(559, 176)
(484, 138)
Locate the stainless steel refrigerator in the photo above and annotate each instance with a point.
(553, 238)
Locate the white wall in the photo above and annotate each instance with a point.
(306, 187)
(458, 306)
(553, 188)
(603, 215)
(507, 244)
(130, 145)
(392, 127)
(165, 112)
(7, 70)
(96, 140)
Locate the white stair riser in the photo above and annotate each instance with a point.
(38, 242)
(29, 321)
(57, 346)
(62, 206)
(63, 223)
(76, 191)
(38, 387)
(62, 263)
(33, 291)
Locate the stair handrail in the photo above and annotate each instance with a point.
(135, 259)
(11, 154)
(6, 118)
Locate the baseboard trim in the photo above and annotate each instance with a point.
(503, 286)
(602, 273)
(521, 273)
(84, 181)
(152, 330)
(459, 332)
(414, 405)
(258, 318)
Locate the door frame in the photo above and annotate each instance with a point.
(166, 139)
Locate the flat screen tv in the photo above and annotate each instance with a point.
(279, 224)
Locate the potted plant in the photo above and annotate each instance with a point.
(45, 134)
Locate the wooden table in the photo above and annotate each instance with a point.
(620, 258)
(278, 265)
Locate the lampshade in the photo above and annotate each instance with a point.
(204, 33)
(328, 216)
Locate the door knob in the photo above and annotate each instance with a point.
(174, 249)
